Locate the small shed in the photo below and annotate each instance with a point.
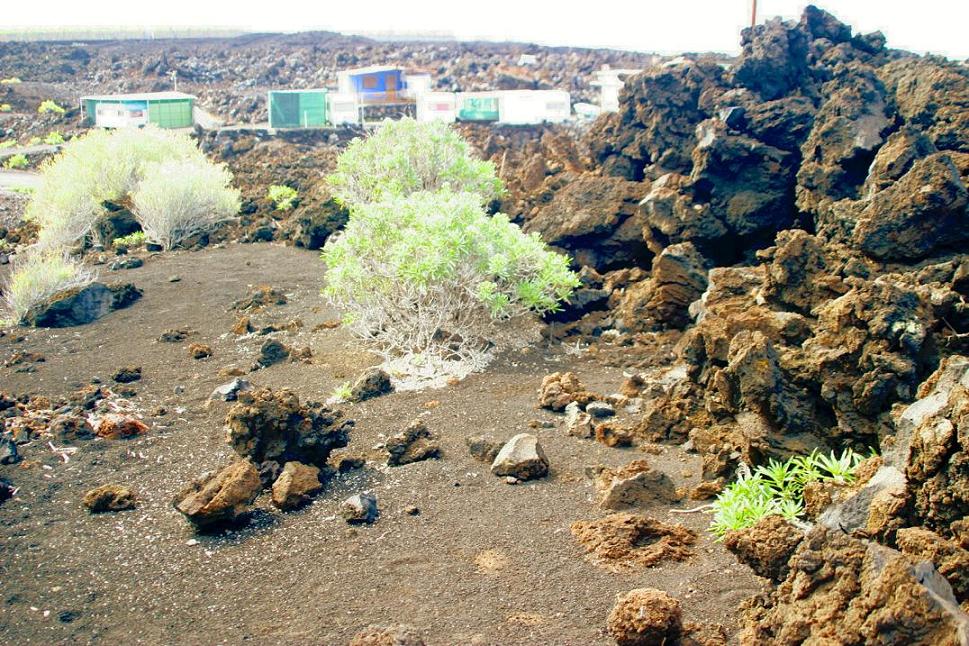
(342, 108)
(163, 109)
(376, 84)
(298, 108)
(477, 106)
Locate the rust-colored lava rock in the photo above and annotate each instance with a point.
(117, 427)
(625, 541)
(645, 617)
(219, 497)
(766, 547)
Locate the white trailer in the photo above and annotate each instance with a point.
(343, 108)
(437, 106)
(525, 107)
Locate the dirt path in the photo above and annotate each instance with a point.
(10, 179)
(484, 562)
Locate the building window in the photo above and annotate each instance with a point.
(369, 82)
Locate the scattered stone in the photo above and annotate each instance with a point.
(383, 636)
(614, 434)
(706, 490)
(560, 389)
(260, 297)
(412, 510)
(21, 358)
(264, 425)
(360, 509)
(199, 351)
(118, 427)
(272, 352)
(344, 463)
(374, 382)
(6, 490)
(8, 451)
(413, 444)
(632, 386)
(70, 428)
(126, 262)
(296, 485)
(109, 497)
(220, 497)
(230, 392)
(330, 324)
(242, 326)
(174, 335)
(623, 541)
(231, 371)
(645, 617)
(512, 480)
(600, 410)
(80, 305)
(766, 547)
(577, 423)
(127, 374)
(521, 457)
(483, 448)
(174, 278)
(634, 485)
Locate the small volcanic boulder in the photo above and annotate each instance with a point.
(266, 425)
(78, 306)
(483, 448)
(8, 451)
(645, 617)
(633, 485)
(521, 457)
(560, 389)
(117, 427)
(392, 636)
(7, 490)
(577, 423)
(413, 444)
(219, 497)
(360, 509)
(127, 375)
(174, 335)
(229, 392)
(272, 352)
(70, 428)
(199, 351)
(260, 297)
(374, 382)
(296, 485)
(109, 497)
(766, 547)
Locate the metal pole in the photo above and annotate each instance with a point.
(753, 14)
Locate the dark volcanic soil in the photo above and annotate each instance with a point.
(484, 562)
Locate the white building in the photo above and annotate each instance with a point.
(609, 82)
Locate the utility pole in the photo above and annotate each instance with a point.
(753, 14)
(174, 74)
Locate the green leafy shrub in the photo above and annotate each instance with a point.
(10, 143)
(5, 107)
(54, 138)
(406, 156)
(135, 239)
(13, 80)
(38, 274)
(434, 284)
(777, 488)
(34, 141)
(179, 199)
(16, 161)
(282, 196)
(49, 105)
(102, 166)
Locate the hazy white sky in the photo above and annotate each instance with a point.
(667, 26)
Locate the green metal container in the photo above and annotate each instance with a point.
(478, 109)
(175, 113)
(297, 109)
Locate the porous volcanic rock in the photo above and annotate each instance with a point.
(645, 617)
(296, 485)
(220, 497)
(109, 497)
(623, 541)
(766, 547)
(413, 444)
(360, 509)
(80, 305)
(849, 591)
(374, 382)
(634, 485)
(272, 426)
(559, 389)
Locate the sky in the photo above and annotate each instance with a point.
(664, 26)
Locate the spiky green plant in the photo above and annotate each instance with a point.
(341, 393)
(54, 138)
(16, 161)
(778, 488)
(282, 196)
(49, 105)
(135, 239)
